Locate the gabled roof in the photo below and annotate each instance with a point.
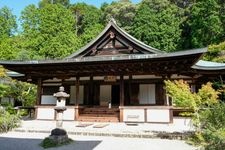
(112, 27)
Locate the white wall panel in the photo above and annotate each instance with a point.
(68, 114)
(133, 115)
(158, 115)
(46, 113)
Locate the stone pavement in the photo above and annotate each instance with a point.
(31, 141)
(140, 130)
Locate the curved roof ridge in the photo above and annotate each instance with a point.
(112, 22)
(90, 43)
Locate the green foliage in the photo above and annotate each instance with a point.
(216, 53)
(56, 28)
(7, 22)
(157, 24)
(48, 143)
(181, 93)
(122, 11)
(2, 72)
(215, 140)
(213, 118)
(213, 127)
(23, 91)
(208, 95)
(8, 26)
(183, 97)
(8, 121)
(43, 3)
(49, 31)
(90, 33)
(205, 23)
(9, 48)
(3, 90)
(87, 23)
(208, 114)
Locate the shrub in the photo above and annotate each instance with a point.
(8, 121)
(213, 127)
(208, 114)
(214, 139)
(213, 118)
(48, 143)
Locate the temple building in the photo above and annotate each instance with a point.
(115, 78)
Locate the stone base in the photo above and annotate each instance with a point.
(59, 136)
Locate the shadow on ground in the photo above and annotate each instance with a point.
(7, 143)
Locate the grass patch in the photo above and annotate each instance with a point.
(48, 143)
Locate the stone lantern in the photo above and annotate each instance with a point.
(59, 135)
(60, 105)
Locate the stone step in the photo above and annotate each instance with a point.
(100, 110)
(97, 119)
(99, 115)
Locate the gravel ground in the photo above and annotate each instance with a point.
(30, 141)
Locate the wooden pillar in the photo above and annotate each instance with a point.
(77, 91)
(121, 97)
(121, 91)
(77, 98)
(39, 91)
(91, 92)
(38, 98)
(129, 86)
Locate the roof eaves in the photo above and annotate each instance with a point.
(208, 65)
(108, 58)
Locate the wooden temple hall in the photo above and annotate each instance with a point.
(115, 78)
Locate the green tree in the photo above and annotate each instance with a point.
(87, 23)
(216, 53)
(3, 88)
(183, 97)
(122, 11)
(86, 16)
(205, 23)
(9, 47)
(185, 6)
(222, 16)
(7, 23)
(23, 92)
(30, 20)
(157, 23)
(49, 31)
(43, 3)
(8, 42)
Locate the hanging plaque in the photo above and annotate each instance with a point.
(110, 78)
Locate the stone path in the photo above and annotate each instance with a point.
(141, 130)
(30, 141)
